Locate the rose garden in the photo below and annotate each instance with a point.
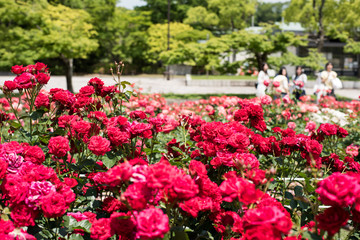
(112, 163)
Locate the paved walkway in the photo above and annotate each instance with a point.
(176, 86)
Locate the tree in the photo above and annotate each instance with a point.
(158, 9)
(268, 13)
(35, 29)
(68, 34)
(222, 15)
(126, 36)
(207, 54)
(19, 32)
(314, 60)
(180, 35)
(315, 15)
(270, 40)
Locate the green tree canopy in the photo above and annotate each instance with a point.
(268, 12)
(270, 40)
(317, 16)
(222, 16)
(36, 29)
(181, 34)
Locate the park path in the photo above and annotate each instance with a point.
(161, 85)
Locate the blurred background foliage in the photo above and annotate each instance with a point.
(87, 36)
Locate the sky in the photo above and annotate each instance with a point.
(130, 4)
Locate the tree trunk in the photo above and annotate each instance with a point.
(234, 55)
(69, 68)
(358, 66)
(259, 61)
(321, 34)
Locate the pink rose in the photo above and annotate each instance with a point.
(152, 223)
(99, 145)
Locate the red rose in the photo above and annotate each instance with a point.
(34, 154)
(141, 129)
(40, 67)
(137, 195)
(197, 168)
(161, 175)
(97, 83)
(64, 97)
(123, 224)
(6, 226)
(152, 223)
(117, 137)
(100, 229)
(3, 167)
(87, 91)
(138, 115)
(184, 187)
(25, 80)
(42, 100)
(80, 128)
(224, 219)
(338, 190)
(241, 115)
(17, 69)
(246, 161)
(111, 204)
(42, 78)
(238, 188)
(262, 232)
(10, 86)
(53, 205)
(332, 219)
(271, 216)
(239, 141)
(23, 215)
(99, 145)
(58, 146)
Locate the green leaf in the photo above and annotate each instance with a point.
(109, 163)
(15, 125)
(298, 191)
(37, 114)
(303, 205)
(76, 237)
(311, 236)
(293, 204)
(288, 195)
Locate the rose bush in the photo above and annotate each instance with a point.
(112, 163)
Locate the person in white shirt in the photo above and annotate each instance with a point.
(326, 82)
(282, 82)
(299, 81)
(262, 77)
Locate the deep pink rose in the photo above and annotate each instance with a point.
(152, 223)
(99, 145)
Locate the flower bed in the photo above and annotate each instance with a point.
(109, 163)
